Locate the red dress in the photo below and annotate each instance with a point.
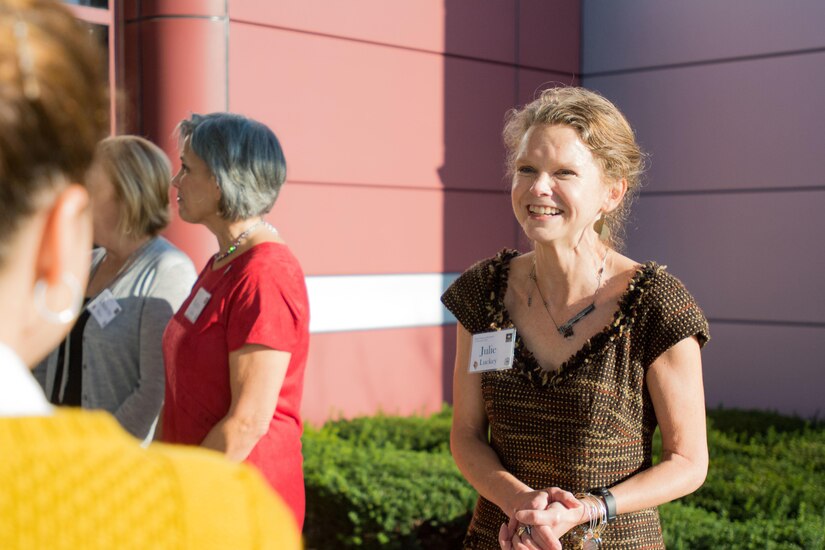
(258, 298)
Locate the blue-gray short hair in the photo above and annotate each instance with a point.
(244, 156)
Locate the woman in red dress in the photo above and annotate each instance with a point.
(235, 351)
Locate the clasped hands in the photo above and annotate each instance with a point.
(550, 513)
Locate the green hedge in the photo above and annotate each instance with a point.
(765, 486)
(390, 482)
(385, 482)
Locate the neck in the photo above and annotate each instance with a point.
(567, 275)
(228, 232)
(120, 250)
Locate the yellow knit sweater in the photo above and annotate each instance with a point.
(76, 480)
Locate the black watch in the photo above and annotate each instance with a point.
(609, 502)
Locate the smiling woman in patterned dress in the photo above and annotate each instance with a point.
(559, 446)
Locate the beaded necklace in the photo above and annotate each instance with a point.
(237, 242)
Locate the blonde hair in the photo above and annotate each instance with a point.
(54, 105)
(140, 172)
(600, 125)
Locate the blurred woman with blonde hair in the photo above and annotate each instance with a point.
(112, 358)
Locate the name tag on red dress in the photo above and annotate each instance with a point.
(196, 305)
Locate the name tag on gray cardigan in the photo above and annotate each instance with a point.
(104, 308)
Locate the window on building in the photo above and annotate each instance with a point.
(105, 21)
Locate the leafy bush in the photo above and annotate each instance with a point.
(384, 482)
(765, 486)
(413, 433)
(686, 527)
(772, 468)
(390, 482)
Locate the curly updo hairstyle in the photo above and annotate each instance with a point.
(600, 126)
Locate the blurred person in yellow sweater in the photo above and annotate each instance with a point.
(71, 478)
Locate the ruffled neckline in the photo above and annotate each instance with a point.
(525, 362)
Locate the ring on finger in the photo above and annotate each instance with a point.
(524, 529)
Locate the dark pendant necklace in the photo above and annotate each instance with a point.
(566, 330)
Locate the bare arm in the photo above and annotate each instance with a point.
(470, 445)
(256, 374)
(675, 384)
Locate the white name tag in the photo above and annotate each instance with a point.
(492, 350)
(104, 308)
(196, 305)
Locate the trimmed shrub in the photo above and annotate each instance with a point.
(412, 433)
(390, 482)
(772, 468)
(363, 491)
(686, 527)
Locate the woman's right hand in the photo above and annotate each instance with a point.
(513, 536)
(563, 513)
(530, 500)
(551, 513)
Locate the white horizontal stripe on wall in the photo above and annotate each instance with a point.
(366, 302)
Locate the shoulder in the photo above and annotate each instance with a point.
(662, 289)
(270, 263)
(269, 255)
(166, 272)
(164, 255)
(667, 311)
(268, 275)
(479, 285)
(485, 273)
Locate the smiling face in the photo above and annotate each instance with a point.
(197, 191)
(558, 187)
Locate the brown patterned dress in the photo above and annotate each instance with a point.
(591, 422)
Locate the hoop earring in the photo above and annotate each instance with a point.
(602, 228)
(64, 316)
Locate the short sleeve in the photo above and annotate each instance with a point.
(471, 296)
(263, 311)
(669, 315)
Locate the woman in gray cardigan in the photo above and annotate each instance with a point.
(112, 359)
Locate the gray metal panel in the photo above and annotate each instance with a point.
(641, 33)
(773, 368)
(754, 256)
(754, 124)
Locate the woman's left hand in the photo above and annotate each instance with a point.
(513, 536)
(547, 525)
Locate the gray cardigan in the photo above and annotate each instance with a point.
(123, 370)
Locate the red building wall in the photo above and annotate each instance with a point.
(390, 116)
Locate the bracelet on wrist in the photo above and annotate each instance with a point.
(609, 502)
(591, 531)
